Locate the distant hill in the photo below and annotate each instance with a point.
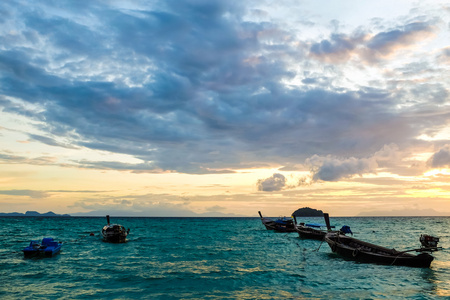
(32, 214)
(307, 212)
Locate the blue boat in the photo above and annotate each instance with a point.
(48, 247)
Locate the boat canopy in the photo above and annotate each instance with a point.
(317, 225)
(283, 221)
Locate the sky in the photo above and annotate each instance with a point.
(225, 108)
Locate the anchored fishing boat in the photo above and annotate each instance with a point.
(361, 251)
(114, 233)
(313, 231)
(282, 224)
(318, 231)
(48, 247)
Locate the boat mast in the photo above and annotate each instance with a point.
(327, 221)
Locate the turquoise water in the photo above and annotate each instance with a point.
(214, 258)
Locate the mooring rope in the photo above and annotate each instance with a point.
(319, 246)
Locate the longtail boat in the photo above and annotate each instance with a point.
(361, 251)
(282, 224)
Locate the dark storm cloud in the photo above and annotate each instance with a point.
(189, 86)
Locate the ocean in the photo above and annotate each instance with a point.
(214, 258)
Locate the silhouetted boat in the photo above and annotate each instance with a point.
(114, 233)
(282, 224)
(312, 231)
(361, 251)
(318, 231)
(47, 247)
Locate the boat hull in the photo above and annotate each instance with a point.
(114, 234)
(310, 233)
(115, 239)
(282, 224)
(360, 251)
(47, 253)
(278, 226)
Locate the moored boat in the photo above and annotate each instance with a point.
(361, 251)
(48, 247)
(282, 224)
(114, 233)
(311, 231)
(318, 231)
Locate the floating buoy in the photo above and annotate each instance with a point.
(91, 234)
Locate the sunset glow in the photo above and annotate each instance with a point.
(219, 108)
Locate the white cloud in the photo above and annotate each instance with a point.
(274, 183)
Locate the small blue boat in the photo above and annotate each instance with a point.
(48, 247)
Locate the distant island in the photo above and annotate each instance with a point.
(307, 212)
(32, 214)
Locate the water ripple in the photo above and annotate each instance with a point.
(168, 258)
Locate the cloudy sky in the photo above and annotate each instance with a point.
(177, 108)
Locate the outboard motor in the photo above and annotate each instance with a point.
(429, 241)
(346, 229)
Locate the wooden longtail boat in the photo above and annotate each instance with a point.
(361, 251)
(114, 233)
(317, 231)
(282, 224)
(311, 231)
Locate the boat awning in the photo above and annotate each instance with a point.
(317, 225)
